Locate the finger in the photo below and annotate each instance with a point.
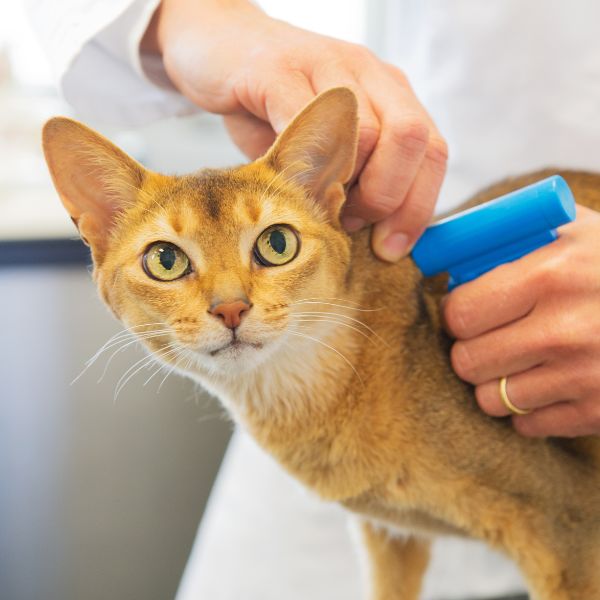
(403, 141)
(512, 349)
(401, 79)
(396, 235)
(391, 169)
(401, 181)
(277, 98)
(494, 299)
(330, 75)
(510, 291)
(565, 419)
(250, 134)
(529, 390)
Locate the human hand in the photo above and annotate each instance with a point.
(230, 58)
(537, 321)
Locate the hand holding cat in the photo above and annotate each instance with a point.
(537, 321)
(232, 59)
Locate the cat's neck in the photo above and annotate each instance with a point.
(311, 405)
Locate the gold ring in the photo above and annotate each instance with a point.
(506, 401)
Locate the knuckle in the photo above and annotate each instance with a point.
(373, 202)
(482, 396)
(401, 76)
(544, 277)
(549, 274)
(526, 426)
(410, 134)
(455, 316)
(576, 380)
(563, 332)
(418, 214)
(361, 55)
(377, 201)
(352, 57)
(571, 331)
(462, 362)
(368, 138)
(437, 151)
(550, 343)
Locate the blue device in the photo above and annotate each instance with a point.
(470, 243)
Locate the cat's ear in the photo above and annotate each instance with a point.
(318, 149)
(94, 179)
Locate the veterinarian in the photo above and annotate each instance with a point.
(508, 87)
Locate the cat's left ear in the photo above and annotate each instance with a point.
(94, 179)
(318, 149)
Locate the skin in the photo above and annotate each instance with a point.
(522, 320)
(536, 320)
(229, 58)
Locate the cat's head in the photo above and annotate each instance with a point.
(213, 264)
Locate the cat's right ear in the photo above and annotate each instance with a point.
(318, 148)
(94, 179)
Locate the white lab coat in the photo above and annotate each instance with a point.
(513, 86)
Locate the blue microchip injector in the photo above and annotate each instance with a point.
(471, 243)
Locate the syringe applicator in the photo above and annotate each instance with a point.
(472, 242)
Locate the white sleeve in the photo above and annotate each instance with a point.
(93, 47)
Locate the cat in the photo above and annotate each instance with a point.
(337, 363)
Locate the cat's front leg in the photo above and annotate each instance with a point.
(396, 563)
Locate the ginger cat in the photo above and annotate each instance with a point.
(334, 361)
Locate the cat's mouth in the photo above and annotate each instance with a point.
(235, 345)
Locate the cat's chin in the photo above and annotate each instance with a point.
(235, 349)
(235, 357)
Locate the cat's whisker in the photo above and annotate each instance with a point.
(96, 356)
(335, 322)
(162, 367)
(147, 360)
(316, 301)
(159, 368)
(330, 298)
(133, 328)
(173, 367)
(342, 316)
(136, 339)
(310, 337)
(117, 338)
(126, 338)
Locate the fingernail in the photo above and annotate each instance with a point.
(352, 224)
(394, 247)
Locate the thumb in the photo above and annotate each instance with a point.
(251, 135)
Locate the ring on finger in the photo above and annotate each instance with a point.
(515, 410)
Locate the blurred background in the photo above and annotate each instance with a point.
(100, 497)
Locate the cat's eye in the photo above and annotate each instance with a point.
(165, 262)
(277, 245)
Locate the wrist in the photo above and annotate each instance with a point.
(174, 16)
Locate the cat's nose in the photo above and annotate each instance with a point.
(230, 312)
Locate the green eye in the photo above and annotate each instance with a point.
(276, 246)
(165, 262)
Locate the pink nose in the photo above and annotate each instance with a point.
(230, 312)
